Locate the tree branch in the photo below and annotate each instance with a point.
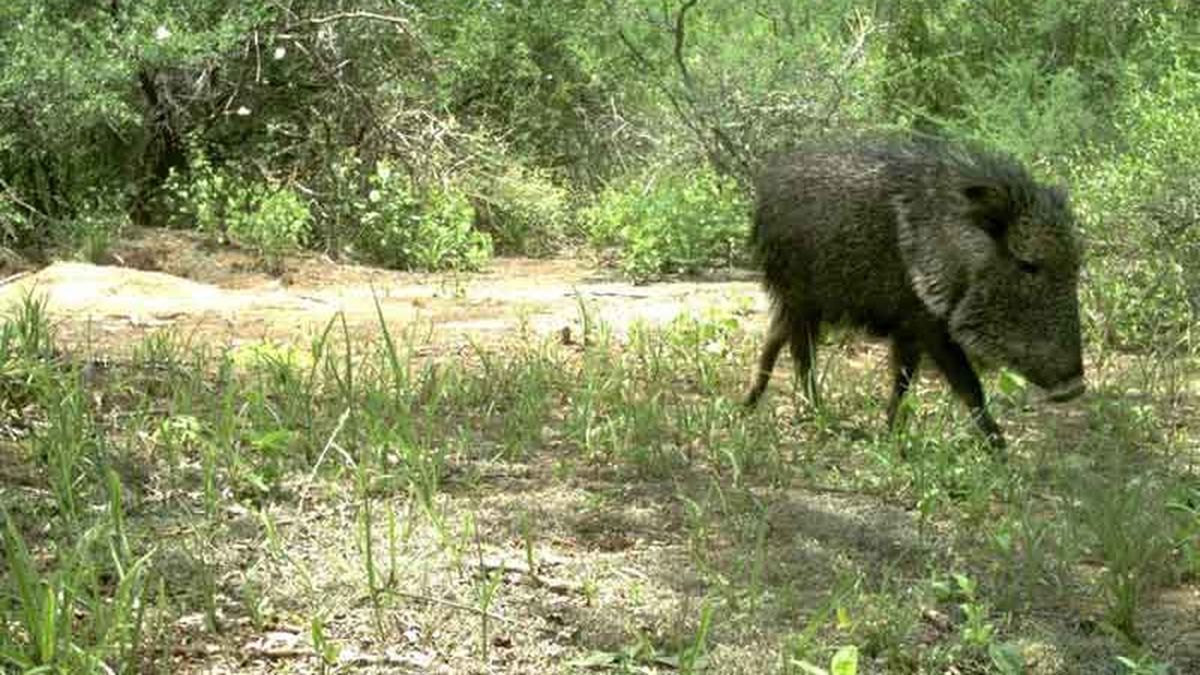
(680, 25)
(8, 193)
(400, 22)
(723, 152)
(341, 16)
(645, 63)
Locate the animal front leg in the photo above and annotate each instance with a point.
(954, 364)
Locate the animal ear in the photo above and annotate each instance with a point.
(990, 207)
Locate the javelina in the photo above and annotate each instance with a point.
(947, 249)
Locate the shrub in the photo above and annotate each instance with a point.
(1139, 202)
(680, 221)
(1021, 106)
(14, 225)
(405, 229)
(91, 235)
(271, 220)
(525, 212)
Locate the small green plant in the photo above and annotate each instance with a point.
(27, 331)
(69, 619)
(1122, 516)
(27, 347)
(977, 631)
(92, 234)
(691, 659)
(527, 538)
(67, 443)
(1186, 536)
(202, 196)
(274, 222)
(327, 650)
(1006, 658)
(45, 607)
(843, 662)
(486, 585)
(1143, 665)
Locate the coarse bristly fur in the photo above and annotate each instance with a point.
(946, 248)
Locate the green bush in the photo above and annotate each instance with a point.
(92, 234)
(525, 212)
(201, 196)
(14, 226)
(1031, 112)
(1139, 205)
(271, 220)
(405, 229)
(275, 221)
(680, 221)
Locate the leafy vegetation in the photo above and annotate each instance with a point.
(532, 111)
(682, 221)
(598, 503)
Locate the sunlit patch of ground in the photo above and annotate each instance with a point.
(219, 297)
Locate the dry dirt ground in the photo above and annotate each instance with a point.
(165, 279)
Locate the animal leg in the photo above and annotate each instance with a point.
(777, 335)
(954, 364)
(906, 355)
(805, 332)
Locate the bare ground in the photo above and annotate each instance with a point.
(172, 280)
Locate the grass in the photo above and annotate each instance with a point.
(349, 506)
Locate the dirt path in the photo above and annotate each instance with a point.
(218, 296)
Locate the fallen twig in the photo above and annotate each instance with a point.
(453, 605)
(14, 277)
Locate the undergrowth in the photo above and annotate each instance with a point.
(611, 496)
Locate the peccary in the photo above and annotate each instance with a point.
(946, 248)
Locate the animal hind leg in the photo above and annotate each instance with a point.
(777, 335)
(906, 355)
(805, 330)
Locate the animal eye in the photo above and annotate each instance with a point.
(1027, 266)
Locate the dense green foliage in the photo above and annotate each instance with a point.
(682, 221)
(521, 127)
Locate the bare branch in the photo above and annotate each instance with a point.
(716, 141)
(680, 25)
(645, 63)
(8, 193)
(400, 22)
(863, 28)
(373, 16)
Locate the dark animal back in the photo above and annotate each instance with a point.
(825, 237)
